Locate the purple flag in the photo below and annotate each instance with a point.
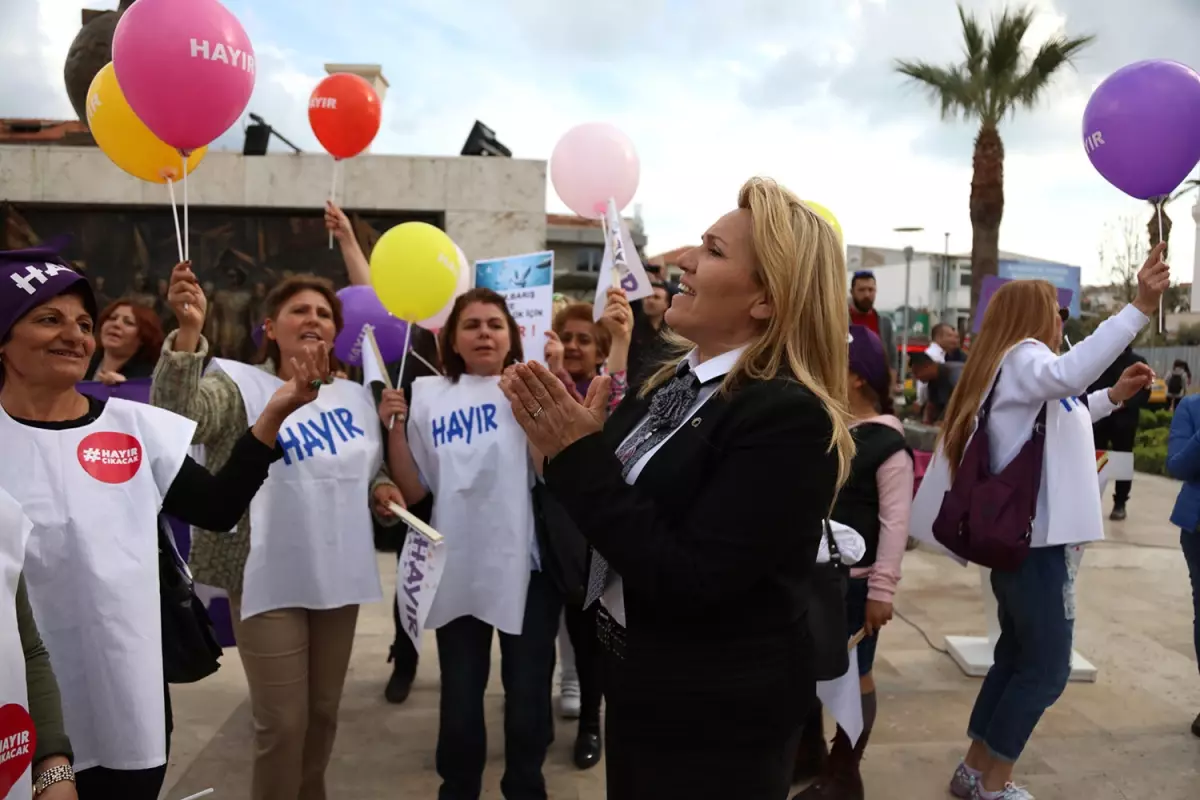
(991, 283)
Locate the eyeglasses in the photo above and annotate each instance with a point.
(1064, 314)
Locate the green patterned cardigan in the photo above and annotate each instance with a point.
(214, 403)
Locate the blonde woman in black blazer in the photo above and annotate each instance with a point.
(703, 498)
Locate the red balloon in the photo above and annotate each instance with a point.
(344, 112)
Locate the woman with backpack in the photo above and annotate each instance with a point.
(876, 502)
(1024, 499)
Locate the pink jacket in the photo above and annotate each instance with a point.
(895, 479)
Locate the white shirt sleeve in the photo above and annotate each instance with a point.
(1099, 405)
(1039, 375)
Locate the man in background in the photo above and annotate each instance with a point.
(1118, 430)
(943, 347)
(940, 380)
(862, 312)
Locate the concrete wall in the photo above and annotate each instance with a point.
(492, 206)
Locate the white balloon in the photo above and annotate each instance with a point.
(466, 279)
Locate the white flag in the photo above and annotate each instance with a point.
(843, 698)
(374, 370)
(621, 265)
(418, 574)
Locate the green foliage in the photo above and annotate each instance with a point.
(1151, 459)
(1148, 419)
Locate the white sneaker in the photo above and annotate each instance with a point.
(568, 699)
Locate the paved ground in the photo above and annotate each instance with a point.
(1123, 738)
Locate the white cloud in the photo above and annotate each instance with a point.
(803, 92)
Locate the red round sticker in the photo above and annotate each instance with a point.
(110, 457)
(17, 743)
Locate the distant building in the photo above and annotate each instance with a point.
(578, 245)
(939, 288)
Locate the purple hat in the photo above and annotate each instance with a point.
(33, 276)
(867, 360)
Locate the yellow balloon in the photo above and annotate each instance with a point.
(828, 215)
(414, 269)
(126, 140)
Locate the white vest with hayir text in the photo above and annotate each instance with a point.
(93, 494)
(312, 541)
(17, 736)
(474, 457)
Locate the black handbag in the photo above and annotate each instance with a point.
(563, 549)
(191, 651)
(827, 621)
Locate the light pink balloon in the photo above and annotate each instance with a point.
(466, 279)
(185, 66)
(591, 163)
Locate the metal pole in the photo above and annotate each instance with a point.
(946, 272)
(908, 257)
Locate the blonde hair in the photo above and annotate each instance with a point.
(1019, 310)
(798, 259)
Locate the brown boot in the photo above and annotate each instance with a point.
(812, 756)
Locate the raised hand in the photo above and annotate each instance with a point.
(1153, 279)
(337, 223)
(551, 418)
(1134, 379)
(554, 351)
(309, 373)
(186, 298)
(392, 406)
(617, 318)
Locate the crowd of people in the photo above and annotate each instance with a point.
(646, 503)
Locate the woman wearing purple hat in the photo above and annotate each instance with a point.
(876, 502)
(93, 476)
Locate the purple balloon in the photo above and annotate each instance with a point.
(361, 309)
(1141, 128)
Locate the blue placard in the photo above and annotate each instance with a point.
(1062, 276)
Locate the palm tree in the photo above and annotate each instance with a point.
(993, 80)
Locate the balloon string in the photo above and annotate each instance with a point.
(175, 214)
(403, 359)
(1162, 319)
(333, 194)
(187, 250)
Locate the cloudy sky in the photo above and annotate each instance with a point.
(710, 91)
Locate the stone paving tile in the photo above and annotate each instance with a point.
(1124, 737)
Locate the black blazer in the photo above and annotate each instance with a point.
(716, 544)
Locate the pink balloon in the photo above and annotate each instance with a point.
(466, 279)
(186, 67)
(591, 163)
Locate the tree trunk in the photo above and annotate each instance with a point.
(1152, 227)
(987, 208)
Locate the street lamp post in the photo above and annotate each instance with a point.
(908, 257)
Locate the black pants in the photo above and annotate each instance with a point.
(1117, 432)
(404, 655)
(102, 783)
(640, 769)
(581, 628)
(526, 669)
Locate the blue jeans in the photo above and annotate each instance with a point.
(1033, 656)
(1190, 542)
(526, 669)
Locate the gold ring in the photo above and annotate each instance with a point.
(315, 384)
(536, 413)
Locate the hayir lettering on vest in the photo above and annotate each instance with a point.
(14, 746)
(412, 584)
(464, 424)
(35, 276)
(318, 435)
(226, 54)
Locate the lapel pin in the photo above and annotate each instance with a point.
(695, 422)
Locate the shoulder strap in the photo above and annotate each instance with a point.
(835, 555)
(986, 408)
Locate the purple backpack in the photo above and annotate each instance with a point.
(987, 519)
